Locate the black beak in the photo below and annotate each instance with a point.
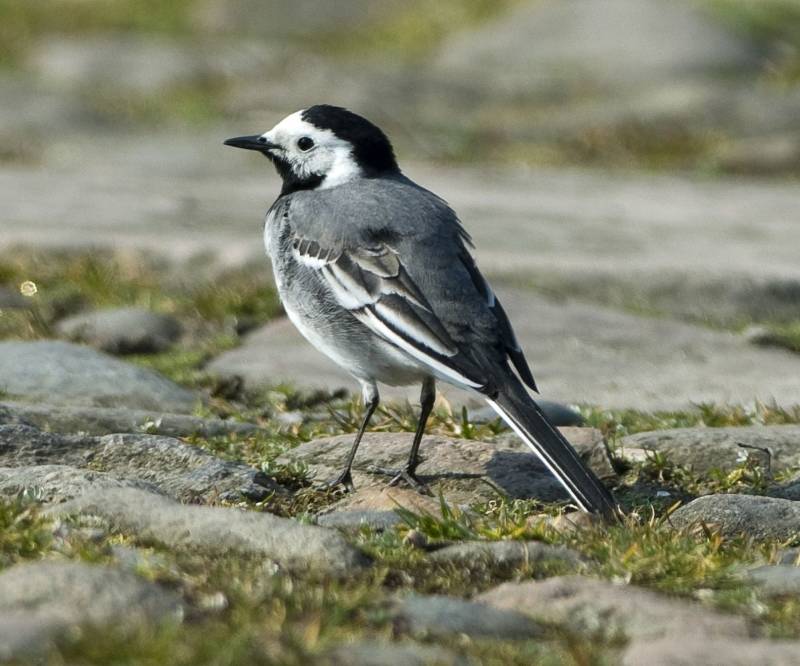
(254, 142)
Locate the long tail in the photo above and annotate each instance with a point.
(520, 411)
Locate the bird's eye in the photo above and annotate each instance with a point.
(305, 143)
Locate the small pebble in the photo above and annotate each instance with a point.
(416, 539)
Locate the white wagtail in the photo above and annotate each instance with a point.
(376, 273)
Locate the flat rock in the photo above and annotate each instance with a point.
(287, 542)
(694, 650)
(610, 46)
(594, 607)
(63, 373)
(465, 471)
(437, 615)
(11, 299)
(789, 490)
(789, 556)
(350, 521)
(577, 226)
(105, 420)
(58, 483)
(776, 580)
(179, 470)
(579, 353)
(126, 64)
(384, 499)
(380, 654)
(533, 555)
(41, 602)
(750, 515)
(122, 330)
(705, 449)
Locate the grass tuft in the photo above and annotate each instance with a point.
(24, 533)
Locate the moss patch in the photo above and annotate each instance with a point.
(774, 25)
(24, 534)
(23, 22)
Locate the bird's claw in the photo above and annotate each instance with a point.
(404, 475)
(342, 482)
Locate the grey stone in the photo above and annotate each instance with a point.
(105, 420)
(380, 654)
(41, 602)
(609, 235)
(776, 580)
(789, 490)
(608, 358)
(62, 373)
(594, 607)
(465, 471)
(721, 300)
(137, 559)
(555, 48)
(595, 74)
(354, 520)
(734, 515)
(305, 18)
(57, 483)
(23, 635)
(531, 555)
(179, 470)
(730, 651)
(122, 330)
(789, 556)
(705, 449)
(123, 64)
(290, 544)
(11, 299)
(436, 615)
(773, 154)
(387, 498)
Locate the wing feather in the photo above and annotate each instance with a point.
(373, 284)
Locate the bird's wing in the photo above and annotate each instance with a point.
(371, 282)
(504, 329)
(397, 256)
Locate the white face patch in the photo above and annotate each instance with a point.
(330, 156)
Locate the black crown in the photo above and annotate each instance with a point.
(371, 147)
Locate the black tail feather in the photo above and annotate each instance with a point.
(522, 413)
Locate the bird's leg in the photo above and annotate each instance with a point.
(371, 400)
(408, 472)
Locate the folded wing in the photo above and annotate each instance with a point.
(372, 283)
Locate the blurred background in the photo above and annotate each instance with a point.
(708, 85)
(639, 156)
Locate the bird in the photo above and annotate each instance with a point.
(378, 274)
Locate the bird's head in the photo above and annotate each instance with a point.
(323, 146)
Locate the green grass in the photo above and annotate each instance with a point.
(23, 22)
(774, 25)
(270, 618)
(411, 32)
(786, 336)
(616, 423)
(24, 534)
(211, 307)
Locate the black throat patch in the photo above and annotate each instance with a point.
(291, 181)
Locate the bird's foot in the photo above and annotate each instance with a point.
(405, 475)
(343, 482)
